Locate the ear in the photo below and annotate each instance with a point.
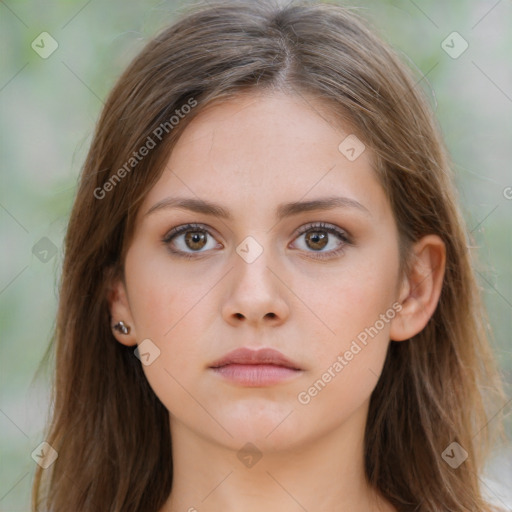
(119, 307)
(421, 289)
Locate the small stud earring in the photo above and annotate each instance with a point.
(121, 327)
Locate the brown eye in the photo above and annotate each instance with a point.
(317, 240)
(189, 239)
(316, 237)
(195, 240)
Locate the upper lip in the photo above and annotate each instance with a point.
(249, 356)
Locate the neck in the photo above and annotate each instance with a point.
(323, 474)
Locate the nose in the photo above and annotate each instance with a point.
(256, 293)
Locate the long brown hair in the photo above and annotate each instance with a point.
(110, 430)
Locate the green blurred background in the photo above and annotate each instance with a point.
(49, 108)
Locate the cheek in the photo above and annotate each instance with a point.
(357, 307)
(168, 307)
(154, 304)
(349, 362)
(353, 299)
(163, 309)
(159, 295)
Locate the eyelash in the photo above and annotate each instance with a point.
(321, 226)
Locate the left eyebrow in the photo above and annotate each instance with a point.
(283, 210)
(322, 203)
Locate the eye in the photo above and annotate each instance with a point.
(189, 240)
(318, 237)
(189, 236)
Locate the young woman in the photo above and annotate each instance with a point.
(267, 300)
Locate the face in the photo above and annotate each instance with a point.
(316, 284)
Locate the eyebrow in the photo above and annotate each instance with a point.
(283, 210)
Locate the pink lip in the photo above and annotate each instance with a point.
(262, 367)
(261, 356)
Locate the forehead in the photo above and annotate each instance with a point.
(266, 149)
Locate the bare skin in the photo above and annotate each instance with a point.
(251, 155)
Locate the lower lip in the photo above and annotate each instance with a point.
(254, 375)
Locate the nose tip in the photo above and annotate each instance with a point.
(255, 295)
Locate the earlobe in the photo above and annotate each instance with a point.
(421, 289)
(122, 324)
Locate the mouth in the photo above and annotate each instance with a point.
(259, 368)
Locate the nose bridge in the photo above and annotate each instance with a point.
(255, 293)
(253, 256)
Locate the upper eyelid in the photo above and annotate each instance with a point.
(320, 225)
(178, 230)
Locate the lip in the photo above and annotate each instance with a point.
(263, 356)
(256, 368)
